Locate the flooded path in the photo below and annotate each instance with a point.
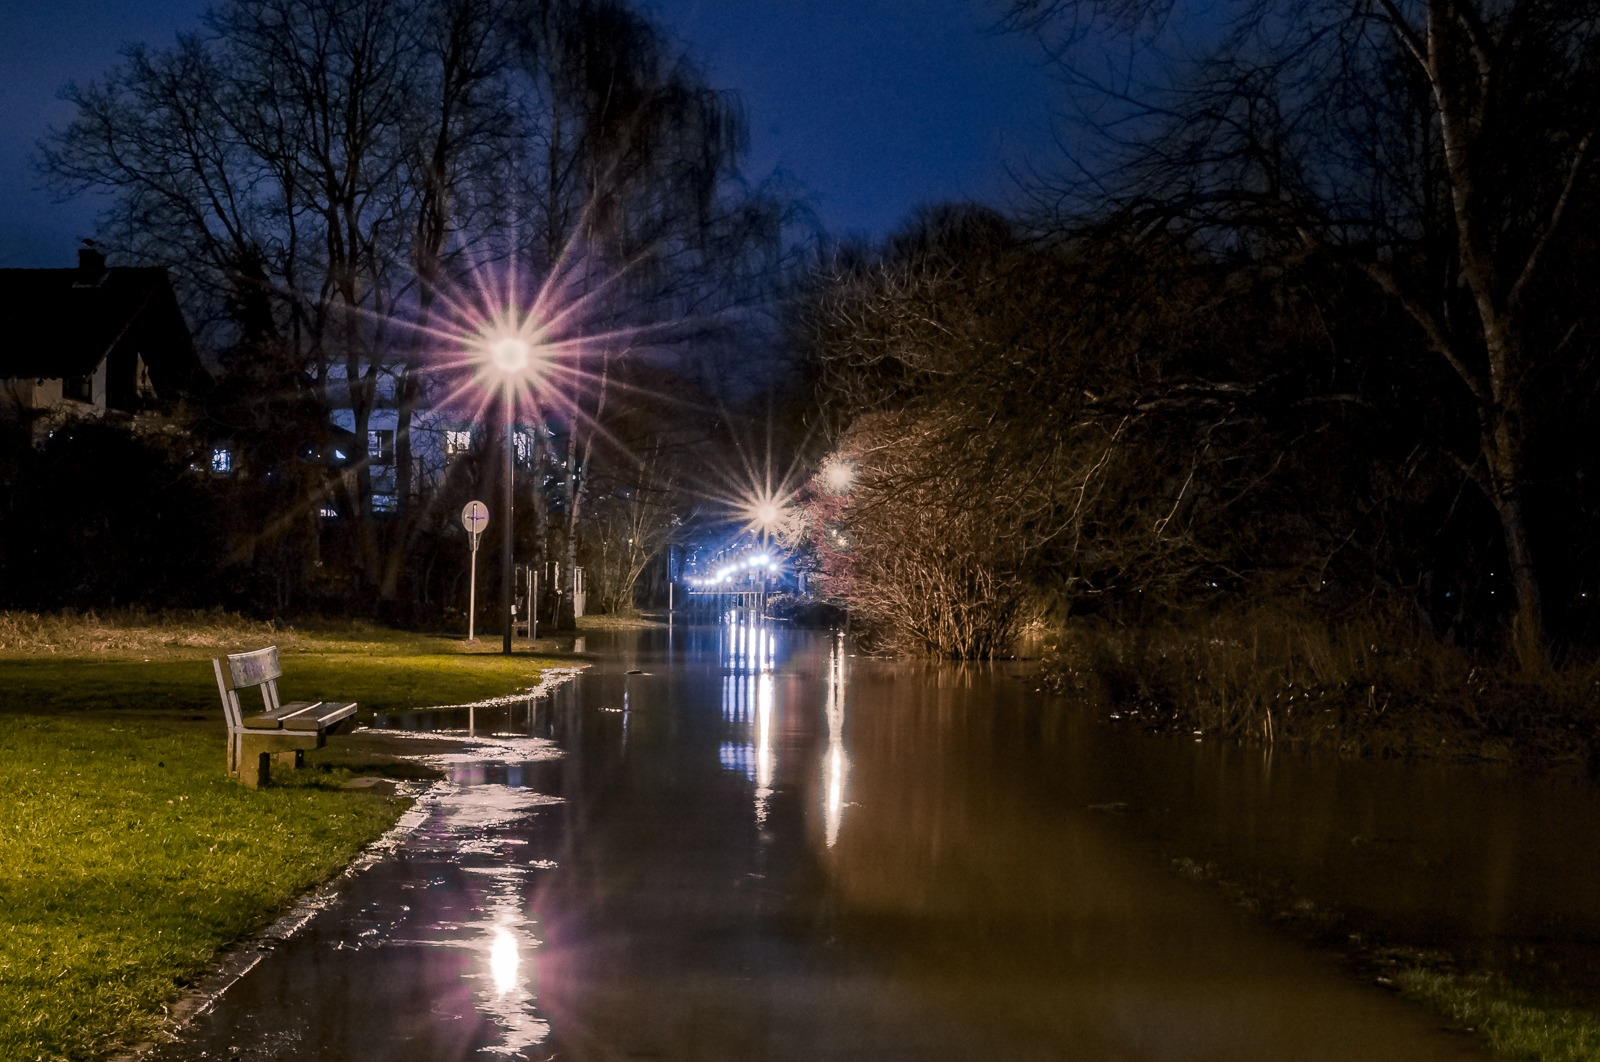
(722, 845)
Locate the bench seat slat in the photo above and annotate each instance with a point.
(325, 715)
(274, 720)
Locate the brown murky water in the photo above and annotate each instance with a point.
(762, 847)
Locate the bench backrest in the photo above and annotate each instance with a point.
(244, 670)
(252, 669)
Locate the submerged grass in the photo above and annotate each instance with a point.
(1275, 674)
(1520, 1010)
(1516, 1023)
(127, 858)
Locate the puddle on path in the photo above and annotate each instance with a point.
(732, 844)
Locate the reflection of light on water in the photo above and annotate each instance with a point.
(835, 811)
(512, 944)
(836, 765)
(503, 960)
(764, 754)
(765, 710)
(764, 731)
(749, 699)
(469, 821)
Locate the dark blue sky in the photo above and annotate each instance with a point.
(875, 106)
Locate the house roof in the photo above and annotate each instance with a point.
(63, 322)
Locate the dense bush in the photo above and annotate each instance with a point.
(100, 516)
(1125, 424)
(1276, 672)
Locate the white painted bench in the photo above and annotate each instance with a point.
(281, 732)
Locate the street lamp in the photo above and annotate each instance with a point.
(764, 513)
(511, 357)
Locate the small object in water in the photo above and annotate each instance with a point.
(636, 671)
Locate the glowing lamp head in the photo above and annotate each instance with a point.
(510, 355)
(767, 514)
(838, 476)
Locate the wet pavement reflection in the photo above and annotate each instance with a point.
(744, 843)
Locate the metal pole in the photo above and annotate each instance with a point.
(533, 603)
(472, 590)
(505, 534)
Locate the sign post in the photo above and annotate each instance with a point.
(474, 517)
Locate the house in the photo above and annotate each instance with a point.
(94, 340)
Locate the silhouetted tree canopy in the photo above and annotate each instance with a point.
(332, 181)
(1443, 149)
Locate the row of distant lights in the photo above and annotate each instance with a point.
(760, 560)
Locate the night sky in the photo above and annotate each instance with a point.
(874, 106)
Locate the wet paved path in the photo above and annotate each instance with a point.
(770, 850)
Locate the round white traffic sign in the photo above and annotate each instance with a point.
(474, 516)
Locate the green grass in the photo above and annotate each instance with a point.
(1517, 1024)
(127, 858)
(377, 681)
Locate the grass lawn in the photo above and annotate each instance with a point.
(127, 858)
(1516, 1023)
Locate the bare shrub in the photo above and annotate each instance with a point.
(932, 590)
(1275, 672)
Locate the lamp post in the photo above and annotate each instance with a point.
(510, 356)
(766, 516)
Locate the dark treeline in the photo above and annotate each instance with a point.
(98, 515)
(343, 191)
(1305, 320)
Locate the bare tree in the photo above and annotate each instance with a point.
(340, 162)
(302, 149)
(633, 158)
(1113, 423)
(1442, 148)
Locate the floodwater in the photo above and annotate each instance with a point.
(730, 843)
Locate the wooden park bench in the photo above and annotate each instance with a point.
(282, 732)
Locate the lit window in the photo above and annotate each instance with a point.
(328, 514)
(457, 442)
(380, 446)
(221, 460)
(524, 447)
(385, 503)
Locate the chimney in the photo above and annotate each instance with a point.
(91, 266)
